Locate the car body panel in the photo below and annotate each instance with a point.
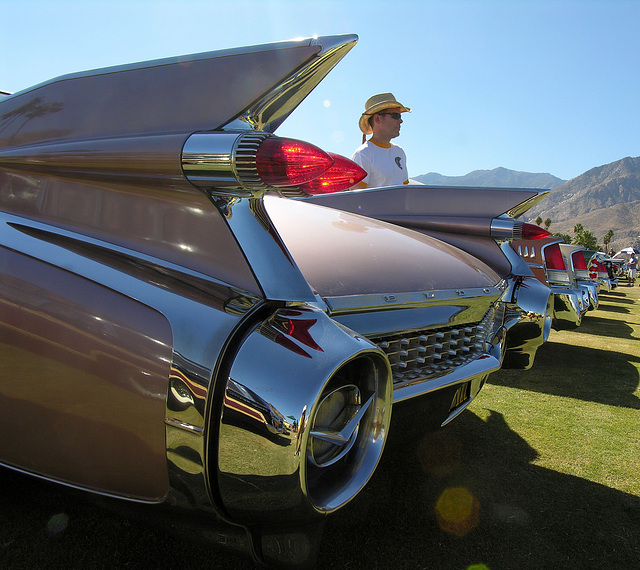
(371, 264)
(464, 220)
(183, 220)
(176, 95)
(94, 385)
(459, 216)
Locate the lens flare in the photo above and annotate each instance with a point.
(57, 524)
(458, 511)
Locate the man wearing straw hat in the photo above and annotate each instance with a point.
(384, 162)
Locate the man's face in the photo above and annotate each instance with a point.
(389, 127)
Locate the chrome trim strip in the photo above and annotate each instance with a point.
(224, 161)
(527, 204)
(518, 265)
(508, 228)
(244, 299)
(183, 425)
(79, 487)
(274, 107)
(375, 302)
(275, 269)
(474, 369)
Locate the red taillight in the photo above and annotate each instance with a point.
(553, 258)
(531, 231)
(578, 260)
(288, 162)
(601, 267)
(342, 175)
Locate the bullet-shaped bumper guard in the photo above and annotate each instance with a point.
(569, 306)
(528, 323)
(305, 417)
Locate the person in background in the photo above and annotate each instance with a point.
(632, 266)
(384, 162)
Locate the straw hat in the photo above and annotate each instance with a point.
(376, 104)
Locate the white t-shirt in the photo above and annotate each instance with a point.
(385, 165)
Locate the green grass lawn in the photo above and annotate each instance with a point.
(542, 471)
(549, 456)
(579, 406)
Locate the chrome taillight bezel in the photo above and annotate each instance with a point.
(228, 164)
(224, 162)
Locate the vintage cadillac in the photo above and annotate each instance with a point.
(574, 260)
(193, 322)
(544, 257)
(601, 268)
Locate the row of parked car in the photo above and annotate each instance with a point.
(574, 273)
(194, 317)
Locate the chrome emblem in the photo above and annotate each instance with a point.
(335, 438)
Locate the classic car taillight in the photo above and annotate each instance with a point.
(341, 176)
(578, 260)
(553, 257)
(288, 162)
(531, 231)
(251, 163)
(508, 228)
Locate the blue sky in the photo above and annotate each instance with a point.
(538, 86)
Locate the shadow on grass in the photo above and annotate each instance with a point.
(47, 526)
(615, 296)
(522, 516)
(602, 326)
(527, 516)
(578, 372)
(612, 308)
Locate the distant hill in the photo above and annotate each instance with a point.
(498, 178)
(603, 198)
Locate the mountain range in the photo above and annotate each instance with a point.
(497, 178)
(603, 198)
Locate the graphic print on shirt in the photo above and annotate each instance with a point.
(398, 159)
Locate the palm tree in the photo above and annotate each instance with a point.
(547, 223)
(538, 220)
(606, 240)
(586, 238)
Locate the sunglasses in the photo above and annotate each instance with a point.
(395, 116)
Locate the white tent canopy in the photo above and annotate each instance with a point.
(626, 252)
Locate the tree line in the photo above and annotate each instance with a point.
(581, 236)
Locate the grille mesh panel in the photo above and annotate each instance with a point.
(430, 353)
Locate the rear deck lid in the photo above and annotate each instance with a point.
(345, 254)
